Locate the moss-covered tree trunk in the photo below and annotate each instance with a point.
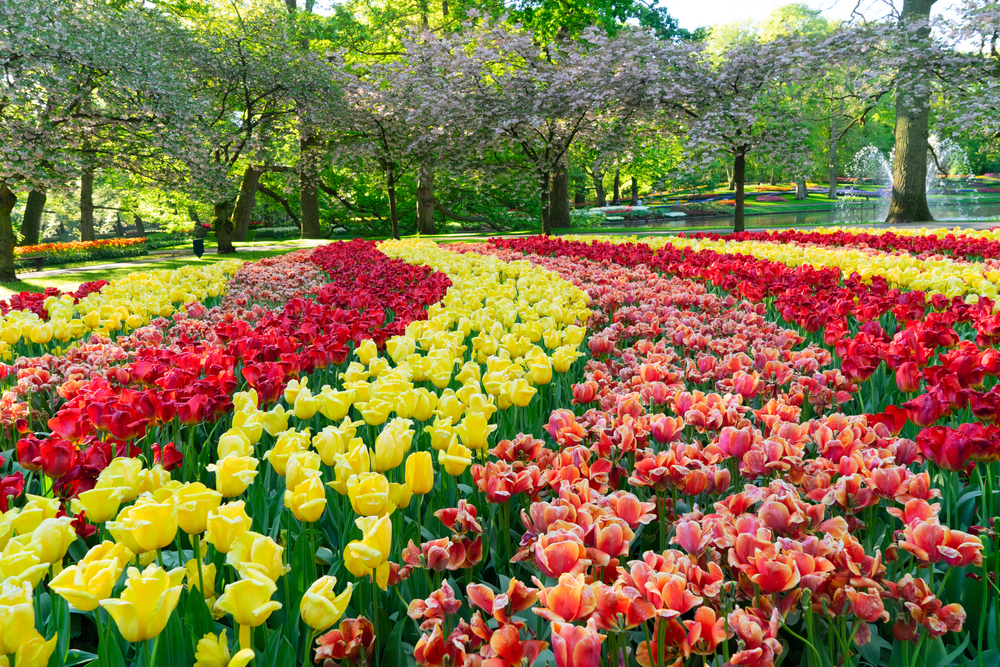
(223, 227)
(739, 175)
(545, 198)
(140, 228)
(832, 164)
(7, 201)
(87, 205)
(634, 200)
(617, 199)
(600, 198)
(31, 223)
(390, 186)
(243, 210)
(308, 187)
(909, 167)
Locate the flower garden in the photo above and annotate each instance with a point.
(753, 449)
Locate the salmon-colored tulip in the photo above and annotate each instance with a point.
(576, 646)
(570, 600)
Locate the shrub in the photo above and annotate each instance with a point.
(80, 251)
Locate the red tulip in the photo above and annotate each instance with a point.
(57, 457)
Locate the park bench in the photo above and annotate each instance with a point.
(39, 259)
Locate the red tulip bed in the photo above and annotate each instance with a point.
(736, 462)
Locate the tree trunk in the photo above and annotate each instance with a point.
(772, 181)
(87, 205)
(31, 224)
(731, 179)
(390, 185)
(635, 192)
(119, 230)
(800, 188)
(559, 199)
(909, 168)
(7, 201)
(618, 188)
(425, 200)
(599, 196)
(243, 210)
(308, 188)
(545, 200)
(832, 164)
(739, 175)
(140, 228)
(223, 227)
(580, 197)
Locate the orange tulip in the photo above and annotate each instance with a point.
(575, 646)
(561, 551)
(620, 608)
(705, 632)
(570, 600)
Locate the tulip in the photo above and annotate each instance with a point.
(19, 564)
(424, 407)
(253, 551)
(233, 474)
(328, 443)
(147, 525)
(246, 401)
(299, 466)
(366, 351)
(442, 433)
(570, 600)
(399, 496)
(369, 494)
(334, 404)
(234, 442)
(355, 462)
(91, 580)
(392, 444)
(153, 479)
(34, 650)
(372, 551)
(17, 615)
(306, 405)
(36, 510)
(353, 641)
(56, 457)
(561, 552)
(564, 357)
(100, 504)
(540, 369)
(198, 574)
(455, 459)
(308, 500)
(122, 473)
(249, 602)
(908, 377)
(275, 420)
(213, 651)
(287, 443)
(474, 430)
(320, 608)
(41, 334)
(227, 524)
(249, 424)
(706, 632)
(420, 473)
(575, 646)
(144, 607)
(194, 502)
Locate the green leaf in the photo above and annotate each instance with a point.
(109, 654)
(197, 615)
(394, 654)
(171, 648)
(950, 658)
(76, 657)
(59, 623)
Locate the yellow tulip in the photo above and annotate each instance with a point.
(276, 420)
(305, 405)
(308, 500)
(34, 512)
(400, 347)
(287, 443)
(194, 502)
(91, 580)
(399, 496)
(369, 493)
(100, 504)
(334, 405)
(366, 351)
(564, 357)
(144, 607)
(450, 406)
(41, 334)
(425, 405)
(233, 474)
(442, 433)
(320, 608)
(455, 459)
(364, 555)
(213, 651)
(420, 473)
(147, 525)
(392, 444)
(226, 524)
(253, 551)
(355, 462)
(540, 369)
(248, 600)
(299, 466)
(293, 388)
(375, 411)
(249, 424)
(122, 473)
(355, 373)
(194, 578)
(246, 401)
(328, 443)
(521, 392)
(234, 442)
(17, 615)
(21, 565)
(475, 430)
(34, 651)
(153, 479)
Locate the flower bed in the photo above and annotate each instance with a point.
(525, 451)
(771, 198)
(81, 251)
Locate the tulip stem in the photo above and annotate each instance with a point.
(197, 557)
(145, 650)
(159, 558)
(310, 635)
(246, 637)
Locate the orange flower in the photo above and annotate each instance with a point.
(705, 631)
(620, 607)
(932, 543)
(570, 600)
(867, 606)
(611, 537)
(518, 598)
(561, 551)
(574, 646)
(773, 574)
(507, 649)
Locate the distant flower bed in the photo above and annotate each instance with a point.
(774, 198)
(728, 202)
(773, 188)
(82, 251)
(988, 190)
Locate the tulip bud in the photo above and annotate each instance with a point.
(194, 502)
(420, 473)
(320, 608)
